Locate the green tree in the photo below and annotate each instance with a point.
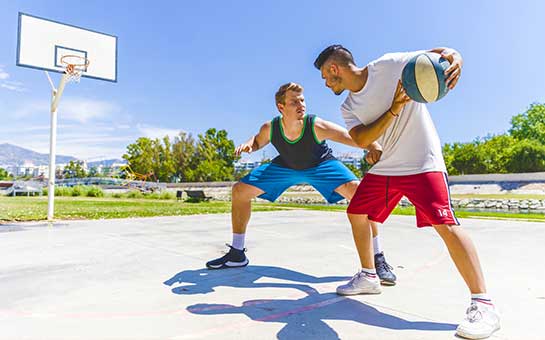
(74, 169)
(4, 174)
(355, 170)
(183, 153)
(214, 157)
(162, 160)
(139, 156)
(526, 156)
(494, 153)
(530, 124)
(464, 158)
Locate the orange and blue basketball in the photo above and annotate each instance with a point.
(423, 77)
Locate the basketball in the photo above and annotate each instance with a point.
(423, 77)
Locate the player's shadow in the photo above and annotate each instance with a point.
(305, 318)
(203, 281)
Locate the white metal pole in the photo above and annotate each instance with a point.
(53, 145)
(52, 152)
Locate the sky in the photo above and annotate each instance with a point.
(192, 65)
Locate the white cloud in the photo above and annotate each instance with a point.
(12, 86)
(157, 132)
(32, 108)
(84, 110)
(3, 74)
(9, 85)
(80, 110)
(86, 128)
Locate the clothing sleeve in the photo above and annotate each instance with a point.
(350, 119)
(395, 60)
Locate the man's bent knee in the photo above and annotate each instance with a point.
(244, 191)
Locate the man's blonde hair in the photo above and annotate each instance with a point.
(280, 95)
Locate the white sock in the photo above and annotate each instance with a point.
(376, 245)
(369, 273)
(483, 299)
(238, 241)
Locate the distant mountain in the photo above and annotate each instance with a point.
(106, 162)
(12, 155)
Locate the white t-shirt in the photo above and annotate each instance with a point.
(410, 144)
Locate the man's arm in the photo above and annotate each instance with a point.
(365, 135)
(328, 130)
(256, 142)
(455, 69)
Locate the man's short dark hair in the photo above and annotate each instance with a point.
(339, 53)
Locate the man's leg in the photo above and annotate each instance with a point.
(482, 319)
(241, 209)
(384, 270)
(463, 253)
(241, 205)
(366, 280)
(362, 234)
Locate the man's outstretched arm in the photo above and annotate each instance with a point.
(328, 130)
(256, 142)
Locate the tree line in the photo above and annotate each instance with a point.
(210, 157)
(521, 149)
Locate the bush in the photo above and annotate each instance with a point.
(94, 191)
(63, 191)
(135, 194)
(152, 195)
(78, 190)
(167, 195)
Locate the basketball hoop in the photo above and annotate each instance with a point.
(74, 67)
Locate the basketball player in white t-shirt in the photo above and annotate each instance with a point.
(378, 109)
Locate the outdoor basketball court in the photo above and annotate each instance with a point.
(145, 279)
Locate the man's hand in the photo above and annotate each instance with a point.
(374, 152)
(373, 156)
(455, 69)
(245, 147)
(400, 99)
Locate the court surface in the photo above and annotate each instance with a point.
(145, 279)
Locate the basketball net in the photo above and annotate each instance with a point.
(74, 67)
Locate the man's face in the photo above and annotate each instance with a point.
(333, 80)
(294, 105)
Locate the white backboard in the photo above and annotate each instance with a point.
(42, 43)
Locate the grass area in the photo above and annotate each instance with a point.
(459, 213)
(35, 208)
(501, 196)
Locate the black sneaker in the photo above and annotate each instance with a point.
(384, 270)
(233, 259)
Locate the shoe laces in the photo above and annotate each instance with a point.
(473, 314)
(355, 277)
(384, 266)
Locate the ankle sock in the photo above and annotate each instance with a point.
(238, 241)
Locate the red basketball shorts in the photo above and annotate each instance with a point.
(378, 195)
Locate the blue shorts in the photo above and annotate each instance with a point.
(274, 179)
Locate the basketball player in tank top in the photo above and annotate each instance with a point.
(304, 157)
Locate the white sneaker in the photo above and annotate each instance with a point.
(361, 283)
(480, 322)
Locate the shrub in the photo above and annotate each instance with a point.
(94, 191)
(135, 194)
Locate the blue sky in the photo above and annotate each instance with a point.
(193, 65)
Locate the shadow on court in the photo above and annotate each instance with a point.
(203, 281)
(304, 317)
